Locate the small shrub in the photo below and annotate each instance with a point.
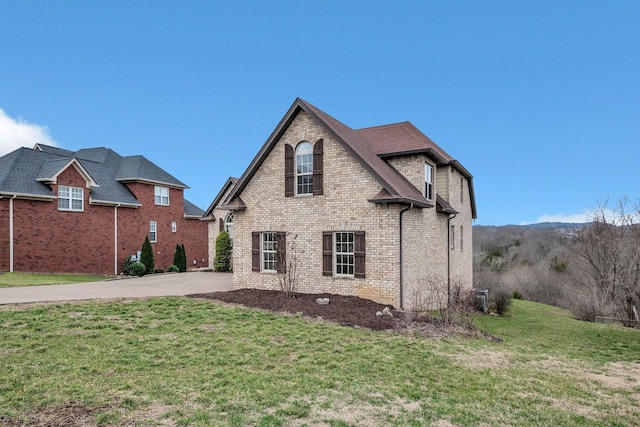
(158, 270)
(222, 261)
(517, 295)
(180, 258)
(126, 266)
(146, 256)
(500, 302)
(173, 269)
(138, 269)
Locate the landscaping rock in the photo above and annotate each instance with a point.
(323, 301)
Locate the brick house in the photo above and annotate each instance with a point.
(382, 213)
(86, 211)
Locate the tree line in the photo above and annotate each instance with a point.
(592, 269)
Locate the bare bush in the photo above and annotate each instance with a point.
(288, 264)
(431, 302)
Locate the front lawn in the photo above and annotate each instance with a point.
(182, 361)
(8, 280)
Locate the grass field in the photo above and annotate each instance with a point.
(183, 362)
(8, 280)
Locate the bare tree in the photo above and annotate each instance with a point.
(606, 264)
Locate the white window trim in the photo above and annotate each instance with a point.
(453, 237)
(174, 226)
(70, 198)
(159, 196)
(428, 181)
(228, 226)
(298, 174)
(336, 254)
(153, 231)
(264, 251)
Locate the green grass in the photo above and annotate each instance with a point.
(8, 280)
(178, 361)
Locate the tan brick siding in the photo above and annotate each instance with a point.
(343, 206)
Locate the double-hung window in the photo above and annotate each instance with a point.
(70, 198)
(428, 181)
(153, 231)
(304, 168)
(269, 251)
(161, 195)
(344, 254)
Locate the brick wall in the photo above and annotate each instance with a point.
(343, 206)
(49, 240)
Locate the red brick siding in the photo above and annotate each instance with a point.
(49, 240)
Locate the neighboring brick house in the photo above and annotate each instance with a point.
(382, 213)
(86, 211)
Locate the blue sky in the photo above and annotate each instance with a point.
(540, 101)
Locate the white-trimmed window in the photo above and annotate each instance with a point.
(174, 227)
(452, 238)
(304, 168)
(161, 195)
(70, 198)
(344, 253)
(269, 251)
(228, 226)
(153, 231)
(428, 181)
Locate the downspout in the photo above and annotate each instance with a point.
(401, 258)
(449, 258)
(11, 233)
(115, 238)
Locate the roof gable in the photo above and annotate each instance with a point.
(218, 200)
(397, 188)
(51, 169)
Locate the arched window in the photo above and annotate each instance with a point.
(228, 226)
(304, 168)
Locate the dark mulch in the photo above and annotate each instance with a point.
(346, 311)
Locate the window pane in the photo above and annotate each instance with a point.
(63, 203)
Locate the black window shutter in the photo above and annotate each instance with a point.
(359, 253)
(289, 173)
(281, 252)
(255, 251)
(318, 149)
(327, 253)
(221, 223)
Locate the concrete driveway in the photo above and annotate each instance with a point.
(153, 285)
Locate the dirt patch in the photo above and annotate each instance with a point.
(71, 414)
(344, 310)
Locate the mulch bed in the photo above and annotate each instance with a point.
(346, 311)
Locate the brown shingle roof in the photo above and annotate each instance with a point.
(401, 138)
(365, 145)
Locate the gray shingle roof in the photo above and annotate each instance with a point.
(25, 172)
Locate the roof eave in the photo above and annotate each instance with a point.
(9, 195)
(113, 203)
(429, 152)
(402, 201)
(150, 181)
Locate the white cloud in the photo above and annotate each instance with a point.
(15, 133)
